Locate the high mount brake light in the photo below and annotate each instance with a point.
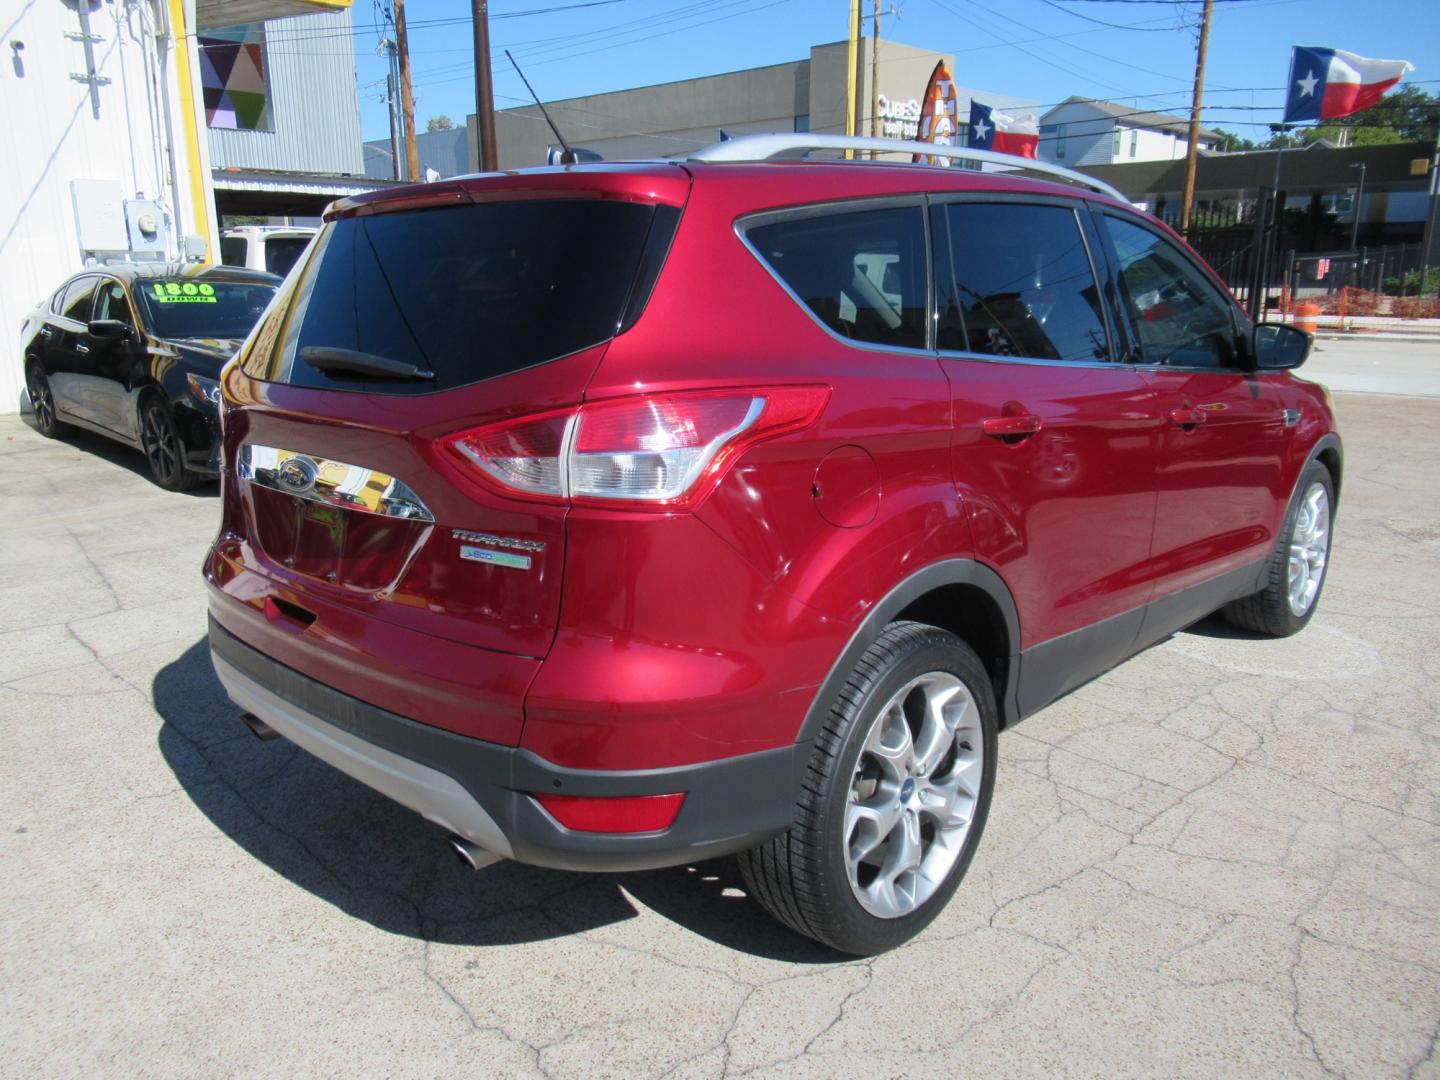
(661, 450)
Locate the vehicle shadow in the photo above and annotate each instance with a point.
(378, 861)
(116, 454)
(1216, 626)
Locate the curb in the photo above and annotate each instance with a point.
(1414, 338)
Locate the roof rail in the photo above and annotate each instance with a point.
(791, 147)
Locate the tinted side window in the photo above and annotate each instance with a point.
(110, 303)
(1023, 284)
(1180, 317)
(861, 273)
(77, 302)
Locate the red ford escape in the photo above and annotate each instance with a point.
(626, 515)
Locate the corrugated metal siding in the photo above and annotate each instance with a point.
(314, 107)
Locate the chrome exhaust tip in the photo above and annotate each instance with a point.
(261, 730)
(472, 855)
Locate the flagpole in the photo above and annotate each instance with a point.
(875, 78)
(1192, 152)
(852, 75)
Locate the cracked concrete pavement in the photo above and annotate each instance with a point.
(1221, 859)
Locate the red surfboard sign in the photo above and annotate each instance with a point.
(939, 115)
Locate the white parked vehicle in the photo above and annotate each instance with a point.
(272, 248)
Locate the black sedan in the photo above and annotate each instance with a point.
(134, 353)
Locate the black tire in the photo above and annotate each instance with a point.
(802, 876)
(42, 402)
(163, 447)
(1269, 611)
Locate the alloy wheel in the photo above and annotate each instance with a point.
(1309, 549)
(912, 802)
(162, 447)
(41, 401)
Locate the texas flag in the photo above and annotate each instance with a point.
(1326, 83)
(991, 130)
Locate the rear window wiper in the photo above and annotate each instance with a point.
(327, 358)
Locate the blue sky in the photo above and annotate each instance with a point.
(1044, 50)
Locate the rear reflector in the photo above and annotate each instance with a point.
(628, 814)
(665, 451)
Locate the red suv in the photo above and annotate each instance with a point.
(626, 515)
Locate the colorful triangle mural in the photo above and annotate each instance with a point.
(232, 78)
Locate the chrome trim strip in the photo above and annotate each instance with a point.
(1036, 361)
(431, 794)
(333, 483)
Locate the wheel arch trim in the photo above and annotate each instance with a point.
(949, 572)
(1329, 442)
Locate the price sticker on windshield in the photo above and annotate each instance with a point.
(182, 292)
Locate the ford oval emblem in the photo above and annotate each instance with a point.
(297, 475)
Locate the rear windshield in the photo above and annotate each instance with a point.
(188, 308)
(467, 292)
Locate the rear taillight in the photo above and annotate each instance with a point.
(665, 450)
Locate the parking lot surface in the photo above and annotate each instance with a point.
(1222, 859)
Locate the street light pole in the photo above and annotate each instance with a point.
(1359, 195)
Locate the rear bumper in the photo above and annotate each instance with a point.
(481, 790)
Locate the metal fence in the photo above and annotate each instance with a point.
(1257, 259)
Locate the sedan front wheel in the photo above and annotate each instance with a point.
(164, 449)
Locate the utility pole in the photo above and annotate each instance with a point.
(1192, 152)
(407, 99)
(484, 87)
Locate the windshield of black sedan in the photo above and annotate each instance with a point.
(203, 309)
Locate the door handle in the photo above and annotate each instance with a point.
(1187, 418)
(81, 347)
(46, 333)
(1011, 427)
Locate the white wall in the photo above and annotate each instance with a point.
(47, 121)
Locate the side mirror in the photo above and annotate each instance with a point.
(1277, 347)
(109, 330)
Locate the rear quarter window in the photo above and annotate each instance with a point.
(861, 273)
(468, 292)
(78, 299)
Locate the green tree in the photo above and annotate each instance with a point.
(440, 123)
(1231, 143)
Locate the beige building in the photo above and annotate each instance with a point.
(679, 117)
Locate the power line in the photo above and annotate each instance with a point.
(1113, 26)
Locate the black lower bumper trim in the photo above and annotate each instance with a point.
(730, 804)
